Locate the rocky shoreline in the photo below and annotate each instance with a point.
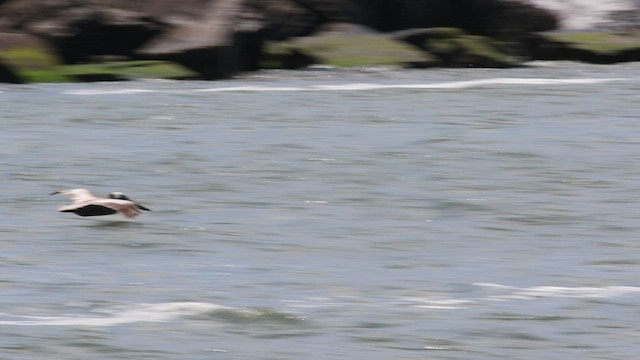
(102, 40)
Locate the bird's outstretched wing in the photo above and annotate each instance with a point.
(88, 210)
(127, 208)
(77, 195)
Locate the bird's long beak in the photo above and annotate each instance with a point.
(55, 192)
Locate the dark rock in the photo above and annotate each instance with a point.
(26, 58)
(208, 45)
(127, 70)
(81, 30)
(219, 38)
(329, 11)
(347, 45)
(505, 19)
(594, 47)
(392, 15)
(455, 48)
(419, 36)
(283, 19)
(7, 75)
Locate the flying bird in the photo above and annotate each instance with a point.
(87, 204)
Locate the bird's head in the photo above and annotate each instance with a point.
(118, 196)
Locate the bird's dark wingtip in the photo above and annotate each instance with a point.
(55, 192)
(143, 207)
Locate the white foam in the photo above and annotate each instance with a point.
(542, 292)
(504, 293)
(584, 14)
(255, 88)
(465, 84)
(118, 316)
(512, 81)
(443, 304)
(88, 92)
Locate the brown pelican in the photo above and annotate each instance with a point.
(87, 204)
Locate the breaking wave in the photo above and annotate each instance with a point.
(503, 293)
(175, 311)
(118, 315)
(466, 84)
(163, 312)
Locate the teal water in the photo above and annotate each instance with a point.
(326, 214)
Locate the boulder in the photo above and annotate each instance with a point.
(284, 19)
(509, 20)
(7, 75)
(26, 58)
(456, 48)
(330, 11)
(81, 30)
(593, 47)
(393, 15)
(218, 38)
(209, 45)
(504, 19)
(347, 45)
(127, 70)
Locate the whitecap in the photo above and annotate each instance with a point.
(504, 293)
(584, 14)
(542, 292)
(119, 315)
(256, 88)
(88, 92)
(466, 84)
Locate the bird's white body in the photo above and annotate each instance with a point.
(87, 204)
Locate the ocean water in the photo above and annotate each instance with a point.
(327, 214)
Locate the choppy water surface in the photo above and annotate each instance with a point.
(324, 214)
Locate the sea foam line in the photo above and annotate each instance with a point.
(540, 292)
(464, 84)
(108, 92)
(511, 293)
(119, 316)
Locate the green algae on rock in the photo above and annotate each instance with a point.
(25, 58)
(594, 47)
(128, 70)
(348, 45)
(455, 48)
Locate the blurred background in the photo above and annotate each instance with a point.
(218, 39)
(363, 180)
